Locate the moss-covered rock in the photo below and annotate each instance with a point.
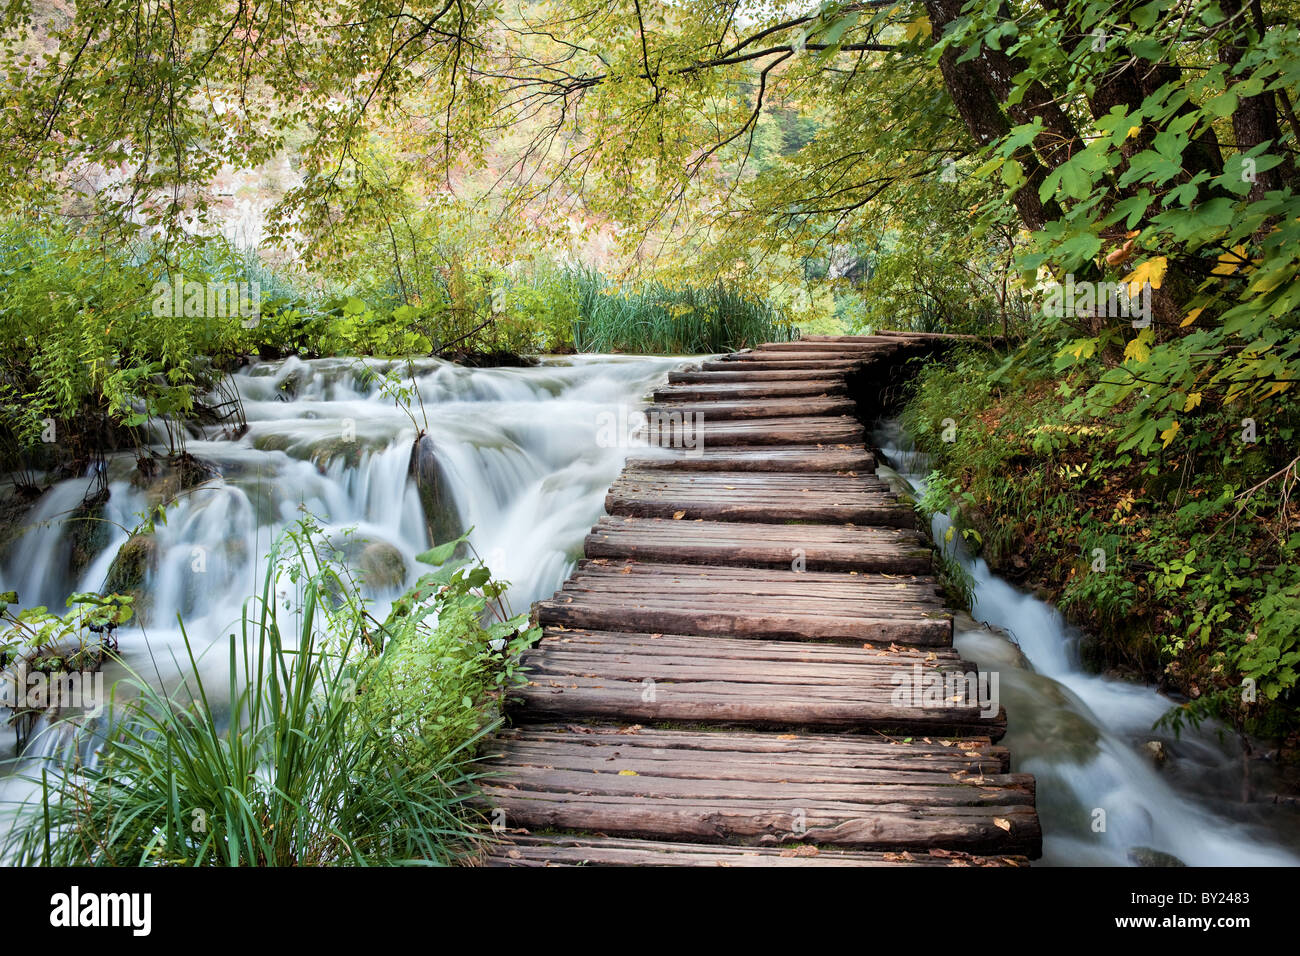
(440, 513)
(382, 566)
(165, 479)
(130, 570)
(87, 533)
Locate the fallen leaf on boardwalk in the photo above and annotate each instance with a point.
(655, 636)
(679, 515)
(630, 730)
(786, 737)
(514, 854)
(945, 743)
(903, 857)
(625, 570)
(633, 773)
(932, 656)
(1002, 824)
(801, 851)
(868, 647)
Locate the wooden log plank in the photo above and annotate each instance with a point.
(802, 818)
(778, 546)
(768, 364)
(848, 628)
(708, 409)
(787, 458)
(745, 374)
(767, 431)
(796, 745)
(738, 391)
(559, 850)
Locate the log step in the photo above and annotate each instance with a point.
(751, 603)
(601, 675)
(730, 372)
(768, 363)
(767, 496)
(708, 410)
(786, 458)
(815, 547)
(740, 391)
(713, 788)
(560, 850)
(764, 431)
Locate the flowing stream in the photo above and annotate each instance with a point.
(1111, 790)
(525, 456)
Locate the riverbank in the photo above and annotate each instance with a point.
(1179, 567)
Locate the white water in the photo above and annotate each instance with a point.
(519, 456)
(1084, 737)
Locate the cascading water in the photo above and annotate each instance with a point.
(519, 456)
(1089, 742)
(517, 453)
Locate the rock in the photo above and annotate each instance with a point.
(382, 566)
(165, 479)
(135, 561)
(441, 516)
(1156, 750)
(87, 533)
(1146, 856)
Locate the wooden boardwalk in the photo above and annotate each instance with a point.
(753, 664)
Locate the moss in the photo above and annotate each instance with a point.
(130, 570)
(87, 534)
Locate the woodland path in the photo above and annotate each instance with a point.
(718, 682)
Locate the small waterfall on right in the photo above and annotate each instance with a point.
(1111, 790)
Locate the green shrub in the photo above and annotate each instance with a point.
(349, 741)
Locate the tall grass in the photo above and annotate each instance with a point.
(319, 757)
(657, 318)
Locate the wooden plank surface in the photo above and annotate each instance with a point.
(764, 601)
(811, 547)
(613, 783)
(786, 458)
(768, 496)
(583, 674)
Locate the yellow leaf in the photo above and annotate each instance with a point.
(628, 773)
(1002, 824)
(1277, 388)
(1152, 270)
(1133, 131)
(1191, 316)
(1193, 400)
(917, 27)
(679, 515)
(1139, 348)
(1230, 262)
(1168, 434)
